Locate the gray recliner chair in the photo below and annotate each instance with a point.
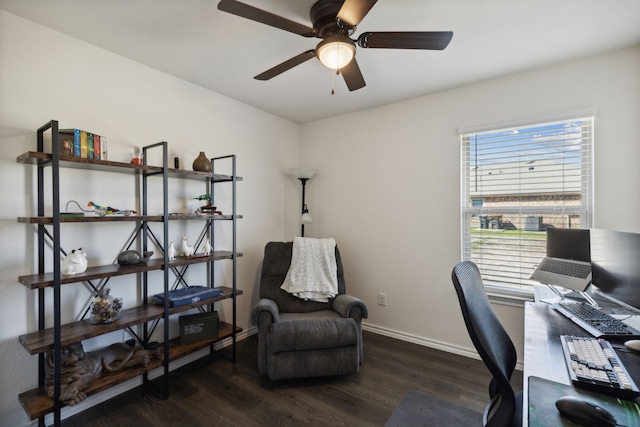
(299, 338)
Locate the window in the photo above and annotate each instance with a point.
(516, 183)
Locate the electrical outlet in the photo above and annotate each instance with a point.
(382, 298)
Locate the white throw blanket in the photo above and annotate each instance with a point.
(313, 274)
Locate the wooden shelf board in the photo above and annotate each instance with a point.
(122, 218)
(37, 158)
(35, 281)
(187, 174)
(198, 258)
(37, 404)
(217, 217)
(106, 218)
(45, 280)
(41, 341)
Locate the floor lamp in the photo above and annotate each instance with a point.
(304, 175)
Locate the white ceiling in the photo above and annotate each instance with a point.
(193, 40)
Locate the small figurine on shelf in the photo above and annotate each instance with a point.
(207, 247)
(108, 210)
(207, 209)
(80, 369)
(75, 262)
(133, 257)
(185, 249)
(172, 252)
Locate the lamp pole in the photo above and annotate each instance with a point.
(304, 175)
(304, 207)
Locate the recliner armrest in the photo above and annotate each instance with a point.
(267, 305)
(344, 305)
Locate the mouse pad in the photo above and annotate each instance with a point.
(543, 412)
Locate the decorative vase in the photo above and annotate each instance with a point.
(202, 163)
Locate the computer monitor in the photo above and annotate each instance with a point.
(568, 243)
(615, 265)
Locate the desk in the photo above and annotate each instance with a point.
(543, 356)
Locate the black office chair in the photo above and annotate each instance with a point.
(492, 343)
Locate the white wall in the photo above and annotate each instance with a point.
(389, 191)
(45, 75)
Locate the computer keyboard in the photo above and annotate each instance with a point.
(565, 267)
(594, 321)
(593, 365)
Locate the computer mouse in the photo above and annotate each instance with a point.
(585, 413)
(633, 345)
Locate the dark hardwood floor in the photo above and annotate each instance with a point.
(216, 392)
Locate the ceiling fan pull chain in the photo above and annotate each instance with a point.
(333, 82)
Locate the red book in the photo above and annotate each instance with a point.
(97, 154)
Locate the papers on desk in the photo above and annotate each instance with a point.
(545, 294)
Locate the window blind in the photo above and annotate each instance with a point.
(516, 183)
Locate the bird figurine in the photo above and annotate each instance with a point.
(172, 252)
(185, 249)
(207, 247)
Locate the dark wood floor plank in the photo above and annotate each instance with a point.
(215, 392)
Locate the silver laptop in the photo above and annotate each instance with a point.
(568, 273)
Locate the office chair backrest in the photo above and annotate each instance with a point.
(490, 340)
(276, 263)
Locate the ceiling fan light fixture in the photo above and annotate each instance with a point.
(335, 21)
(336, 52)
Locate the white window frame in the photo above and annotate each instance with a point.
(472, 201)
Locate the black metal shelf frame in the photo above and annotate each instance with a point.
(142, 228)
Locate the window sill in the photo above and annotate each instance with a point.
(511, 297)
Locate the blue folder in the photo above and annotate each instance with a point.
(190, 295)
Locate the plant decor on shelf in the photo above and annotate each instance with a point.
(207, 209)
(105, 308)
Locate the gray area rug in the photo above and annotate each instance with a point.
(419, 409)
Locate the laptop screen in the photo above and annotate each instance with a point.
(569, 243)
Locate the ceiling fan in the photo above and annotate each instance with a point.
(334, 21)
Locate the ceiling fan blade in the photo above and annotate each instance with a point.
(352, 76)
(429, 40)
(353, 11)
(286, 65)
(264, 17)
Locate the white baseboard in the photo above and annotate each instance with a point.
(438, 345)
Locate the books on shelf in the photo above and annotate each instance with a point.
(90, 152)
(83, 144)
(66, 143)
(96, 147)
(84, 148)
